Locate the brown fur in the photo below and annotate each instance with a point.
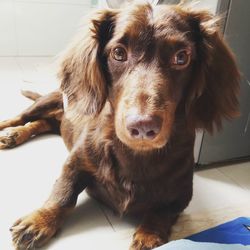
(15, 136)
(152, 178)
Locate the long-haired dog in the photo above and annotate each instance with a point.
(135, 85)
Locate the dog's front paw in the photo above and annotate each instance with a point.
(34, 230)
(143, 240)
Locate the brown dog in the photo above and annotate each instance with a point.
(136, 85)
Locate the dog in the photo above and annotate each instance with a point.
(136, 83)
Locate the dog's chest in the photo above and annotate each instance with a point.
(128, 196)
(131, 183)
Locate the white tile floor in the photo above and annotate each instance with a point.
(29, 171)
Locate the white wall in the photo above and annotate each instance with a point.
(39, 27)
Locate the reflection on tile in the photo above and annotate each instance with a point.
(239, 173)
(191, 223)
(11, 101)
(214, 190)
(38, 73)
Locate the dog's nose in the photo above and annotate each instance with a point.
(143, 126)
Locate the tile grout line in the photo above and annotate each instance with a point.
(231, 179)
(106, 216)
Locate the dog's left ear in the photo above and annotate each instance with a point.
(213, 94)
(83, 72)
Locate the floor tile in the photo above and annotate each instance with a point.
(239, 173)
(38, 73)
(30, 170)
(213, 190)
(11, 100)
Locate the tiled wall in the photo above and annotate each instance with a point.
(39, 27)
(44, 27)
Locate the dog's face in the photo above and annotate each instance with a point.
(148, 62)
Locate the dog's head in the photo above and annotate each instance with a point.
(151, 63)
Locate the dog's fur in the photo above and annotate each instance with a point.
(152, 178)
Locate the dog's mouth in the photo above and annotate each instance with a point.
(143, 145)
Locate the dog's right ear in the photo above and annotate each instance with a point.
(82, 71)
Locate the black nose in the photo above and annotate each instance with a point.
(143, 126)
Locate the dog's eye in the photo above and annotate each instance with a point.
(119, 54)
(181, 59)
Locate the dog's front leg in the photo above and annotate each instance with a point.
(154, 230)
(35, 229)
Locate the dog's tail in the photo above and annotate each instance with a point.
(31, 95)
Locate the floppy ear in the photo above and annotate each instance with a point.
(83, 73)
(214, 92)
